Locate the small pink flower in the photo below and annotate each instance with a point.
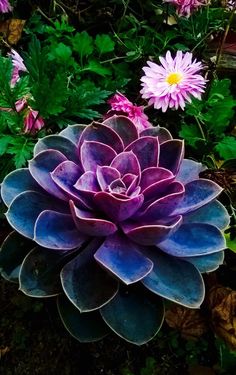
(121, 105)
(33, 122)
(20, 104)
(173, 82)
(185, 8)
(18, 66)
(5, 7)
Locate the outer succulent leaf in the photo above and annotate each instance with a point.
(126, 162)
(85, 283)
(85, 327)
(124, 127)
(175, 279)
(135, 315)
(150, 234)
(104, 134)
(197, 194)
(163, 206)
(94, 154)
(54, 230)
(59, 143)
(150, 176)
(194, 239)
(105, 175)
(162, 133)
(147, 151)
(73, 132)
(88, 223)
(40, 168)
(207, 263)
(17, 182)
(213, 213)
(13, 251)
(25, 209)
(171, 155)
(123, 259)
(189, 170)
(116, 208)
(40, 272)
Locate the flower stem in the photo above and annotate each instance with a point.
(200, 128)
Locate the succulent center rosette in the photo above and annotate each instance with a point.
(115, 219)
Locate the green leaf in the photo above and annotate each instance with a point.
(95, 67)
(4, 142)
(22, 149)
(191, 134)
(219, 116)
(21, 88)
(83, 43)
(104, 43)
(219, 87)
(61, 52)
(231, 243)
(227, 147)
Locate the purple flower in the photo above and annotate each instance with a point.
(18, 66)
(5, 7)
(120, 220)
(173, 82)
(185, 8)
(121, 105)
(32, 122)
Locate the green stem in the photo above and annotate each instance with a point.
(113, 59)
(200, 128)
(220, 49)
(202, 40)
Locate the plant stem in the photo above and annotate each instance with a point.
(200, 128)
(220, 49)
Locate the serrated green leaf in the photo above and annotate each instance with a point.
(61, 52)
(95, 67)
(21, 88)
(195, 107)
(4, 142)
(227, 147)
(104, 43)
(219, 87)
(22, 149)
(190, 133)
(83, 44)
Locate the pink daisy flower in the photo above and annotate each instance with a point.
(186, 7)
(121, 105)
(5, 7)
(173, 82)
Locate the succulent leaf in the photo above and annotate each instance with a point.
(134, 314)
(13, 251)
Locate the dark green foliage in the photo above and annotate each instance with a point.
(207, 121)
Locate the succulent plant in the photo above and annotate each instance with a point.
(112, 221)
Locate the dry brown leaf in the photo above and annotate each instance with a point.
(222, 304)
(12, 30)
(4, 351)
(200, 370)
(189, 322)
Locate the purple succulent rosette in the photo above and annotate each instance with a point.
(114, 221)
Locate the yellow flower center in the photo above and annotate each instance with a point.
(174, 78)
